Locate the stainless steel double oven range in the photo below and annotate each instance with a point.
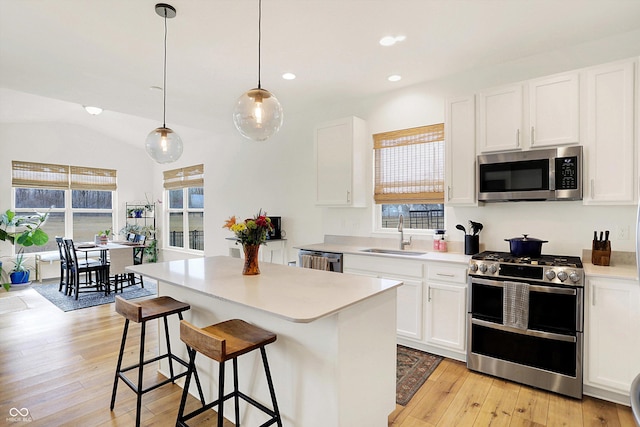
(525, 320)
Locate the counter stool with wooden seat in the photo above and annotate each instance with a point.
(221, 342)
(141, 312)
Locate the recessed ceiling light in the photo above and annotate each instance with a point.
(94, 111)
(391, 40)
(288, 76)
(394, 78)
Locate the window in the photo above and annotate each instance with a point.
(409, 177)
(79, 199)
(185, 207)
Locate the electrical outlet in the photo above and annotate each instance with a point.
(622, 232)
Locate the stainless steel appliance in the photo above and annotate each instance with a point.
(525, 320)
(333, 260)
(550, 174)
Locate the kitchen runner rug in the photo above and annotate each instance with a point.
(413, 369)
(90, 299)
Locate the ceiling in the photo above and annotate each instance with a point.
(109, 54)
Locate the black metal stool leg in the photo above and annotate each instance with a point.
(166, 335)
(271, 388)
(236, 396)
(185, 390)
(140, 373)
(119, 365)
(221, 395)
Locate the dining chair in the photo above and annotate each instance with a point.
(138, 255)
(119, 259)
(62, 250)
(87, 267)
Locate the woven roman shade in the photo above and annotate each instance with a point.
(27, 174)
(409, 165)
(45, 175)
(83, 178)
(192, 176)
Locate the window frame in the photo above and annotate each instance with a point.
(185, 211)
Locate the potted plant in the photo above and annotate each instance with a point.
(102, 238)
(24, 230)
(20, 272)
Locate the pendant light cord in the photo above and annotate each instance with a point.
(259, 37)
(164, 74)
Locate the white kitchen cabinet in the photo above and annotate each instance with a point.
(340, 158)
(460, 151)
(445, 306)
(411, 272)
(500, 119)
(554, 107)
(612, 333)
(609, 149)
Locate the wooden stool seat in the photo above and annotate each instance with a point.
(141, 312)
(221, 342)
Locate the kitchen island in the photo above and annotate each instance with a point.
(334, 361)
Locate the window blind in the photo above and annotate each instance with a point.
(46, 175)
(409, 165)
(192, 176)
(83, 178)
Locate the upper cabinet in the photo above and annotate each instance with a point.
(610, 176)
(539, 113)
(554, 117)
(500, 119)
(340, 156)
(460, 151)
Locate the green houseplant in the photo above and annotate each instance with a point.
(20, 272)
(24, 230)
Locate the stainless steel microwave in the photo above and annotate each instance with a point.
(550, 174)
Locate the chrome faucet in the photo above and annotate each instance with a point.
(403, 242)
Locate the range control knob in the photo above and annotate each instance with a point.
(483, 268)
(550, 274)
(574, 277)
(473, 267)
(562, 275)
(493, 268)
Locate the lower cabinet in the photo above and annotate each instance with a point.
(431, 312)
(612, 335)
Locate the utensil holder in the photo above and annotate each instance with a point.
(601, 253)
(471, 244)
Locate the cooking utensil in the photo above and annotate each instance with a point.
(461, 228)
(475, 227)
(525, 246)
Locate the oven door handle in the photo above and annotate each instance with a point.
(535, 288)
(539, 334)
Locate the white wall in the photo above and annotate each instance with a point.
(242, 176)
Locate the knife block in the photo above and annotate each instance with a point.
(601, 255)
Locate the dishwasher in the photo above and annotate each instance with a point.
(333, 263)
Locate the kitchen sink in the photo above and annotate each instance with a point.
(392, 252)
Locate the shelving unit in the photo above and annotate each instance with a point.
(141, 219)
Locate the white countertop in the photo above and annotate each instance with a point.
(293, 293)
(616, 271)
(357, 250)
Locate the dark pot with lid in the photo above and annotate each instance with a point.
(525, 246)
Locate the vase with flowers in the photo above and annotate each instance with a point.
(251, 233)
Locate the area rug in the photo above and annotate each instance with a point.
(11, 304)
(90, 299)
(413, 369)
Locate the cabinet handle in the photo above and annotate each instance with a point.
(532, 139)
(449, 193)
(429, 293)
(518, 138)
(348, 196)
(445, 275)
(593, 296)
(593, 185)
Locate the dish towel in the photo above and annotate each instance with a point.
(316, 262)
(515, 305)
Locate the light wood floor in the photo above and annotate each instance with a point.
(60, 367)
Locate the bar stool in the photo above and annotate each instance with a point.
(141, 312)
(221, 342)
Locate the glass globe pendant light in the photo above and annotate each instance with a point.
(163, 144)
(258, 114)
